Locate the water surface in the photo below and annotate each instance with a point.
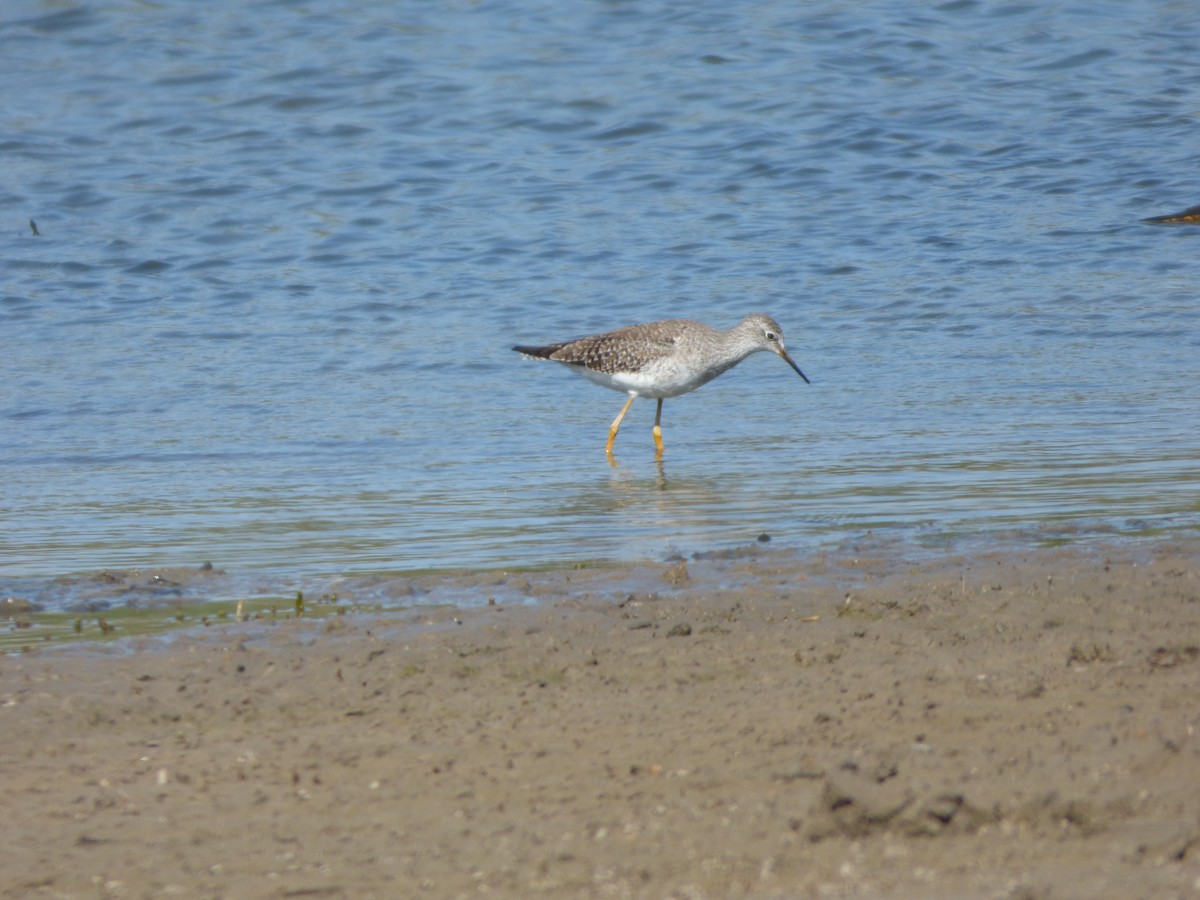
(284, 251)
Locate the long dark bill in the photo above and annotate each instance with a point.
(791, 362)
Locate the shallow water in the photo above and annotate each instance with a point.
(283, 255)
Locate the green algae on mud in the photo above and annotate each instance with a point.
(36, 629)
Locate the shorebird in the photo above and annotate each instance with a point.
(663, 359)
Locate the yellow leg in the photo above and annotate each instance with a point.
(658, 428)
(616, 425)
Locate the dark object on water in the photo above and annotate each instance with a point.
(1191, 214)
(33, 226)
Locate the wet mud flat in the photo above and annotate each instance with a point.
(996, 724)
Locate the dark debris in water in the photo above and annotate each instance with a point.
(101, 589)
(1191, 215)
(17, 606)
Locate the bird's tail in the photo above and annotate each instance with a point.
(538, 352)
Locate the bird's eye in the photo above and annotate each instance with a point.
(770, 336)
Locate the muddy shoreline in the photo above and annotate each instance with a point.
(999, 724)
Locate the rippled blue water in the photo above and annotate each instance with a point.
(285, 248)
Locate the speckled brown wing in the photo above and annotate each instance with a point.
(624, 350)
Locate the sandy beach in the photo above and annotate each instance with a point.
(1006, 724)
